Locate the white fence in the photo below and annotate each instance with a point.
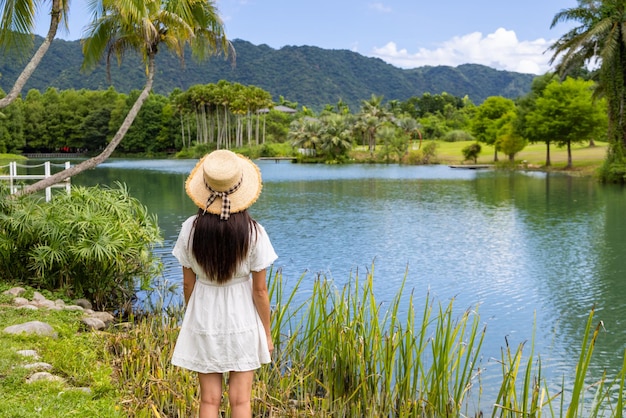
(15, 179)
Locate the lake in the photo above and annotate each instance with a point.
(521, 248)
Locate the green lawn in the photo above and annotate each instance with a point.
(583, 156)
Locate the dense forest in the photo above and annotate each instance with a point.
(306, 75)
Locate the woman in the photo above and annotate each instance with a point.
(226, 327)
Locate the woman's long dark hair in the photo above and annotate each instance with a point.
(220, 246)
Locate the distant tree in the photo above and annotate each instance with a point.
(599, 37)
(394, 141)
(509, 140)
(12, 127)
(567, 113)
(120, 26)
(526, 105)
(305, 132)
(336, 136)
(471, 152)
(489, 118)
(370, 118)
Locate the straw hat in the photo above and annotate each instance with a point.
(223, 183)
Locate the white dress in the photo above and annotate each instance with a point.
(221, 329)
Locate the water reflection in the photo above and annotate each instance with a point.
(515, 245)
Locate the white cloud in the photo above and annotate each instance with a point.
(379, 7)
(501, 50)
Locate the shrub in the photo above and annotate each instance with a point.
(457, 136)
(95, 242)
(425, 155)
(471, 152)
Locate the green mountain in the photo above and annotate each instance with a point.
(308, 75)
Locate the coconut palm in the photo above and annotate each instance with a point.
(600, 38)
(17, 25)
(143, 26)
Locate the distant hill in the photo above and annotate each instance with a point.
(308, 75)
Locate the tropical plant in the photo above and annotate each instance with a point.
(143, 27)
(16, 29)
(93, 242)
(600, 38)
(372, 117)
(336, 136)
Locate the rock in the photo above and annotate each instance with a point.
(45, 303)
(73, 308)
(18, 301)
(33, 327)
(84, 303)
(38, 297)
(38, 366)
(59, 302)
(15, 291)
(29, 353)
(94, 323)
(36, 377)
(105, 317)
(28, 307)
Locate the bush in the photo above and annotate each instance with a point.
(94, 243)
(457, 136)
(471, 152)
(425, 155)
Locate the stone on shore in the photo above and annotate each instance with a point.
(32, 327)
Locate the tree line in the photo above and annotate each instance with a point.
(231, 115)
(118, 27)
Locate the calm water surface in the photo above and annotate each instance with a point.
(519, 248)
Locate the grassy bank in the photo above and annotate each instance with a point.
(338, 353)
(585, 159)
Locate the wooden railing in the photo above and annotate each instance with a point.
(16, 180)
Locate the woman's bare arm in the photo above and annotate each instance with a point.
(262, 303)
(189, 281)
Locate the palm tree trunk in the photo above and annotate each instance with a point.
(93, 162)
(55, 17)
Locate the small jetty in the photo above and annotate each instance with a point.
(279, 159)
(472, 166)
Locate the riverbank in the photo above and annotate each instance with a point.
(585, 159)
(331, 365)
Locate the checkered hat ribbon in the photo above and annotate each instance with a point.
(214, 194)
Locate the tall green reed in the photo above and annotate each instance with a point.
(340, 353)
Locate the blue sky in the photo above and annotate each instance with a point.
(503, 34)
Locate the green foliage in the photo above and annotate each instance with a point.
(308, 75)
(78, 357)
(94, 242)
(489, 118)
(425, 155)
(393, 142)
(457, 135)
(471, 152)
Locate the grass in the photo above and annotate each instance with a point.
(535, 154)
(339, 352)
(585, 159)
(77, 357)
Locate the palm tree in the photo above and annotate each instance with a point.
(143, 26)
(371, 117)
(600, 38)
(16, 29)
